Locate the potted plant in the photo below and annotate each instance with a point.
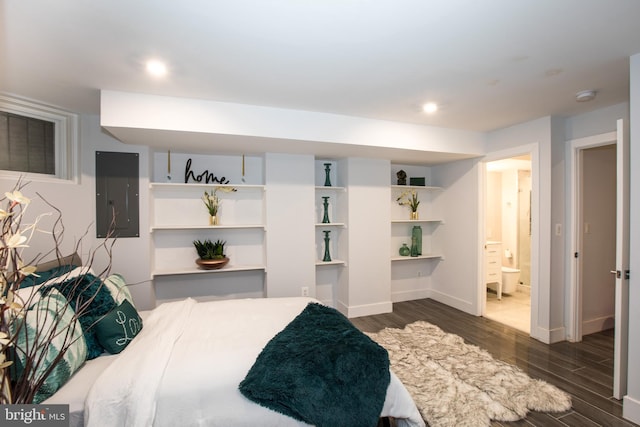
(409, 199)
(212, 202)
(212, 256)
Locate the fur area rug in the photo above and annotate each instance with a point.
(458, 384)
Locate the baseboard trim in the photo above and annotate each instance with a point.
(597, 325)
(454, 302)
(549, 336)
(365, 310)
(631, 409)
(410, 295)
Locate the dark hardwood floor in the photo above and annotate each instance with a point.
(584, 370)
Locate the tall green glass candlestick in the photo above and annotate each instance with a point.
(325, 203)
(327, 174)
(327, 256)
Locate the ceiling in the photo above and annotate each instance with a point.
(488, 63)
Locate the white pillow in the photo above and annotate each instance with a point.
(118, 288)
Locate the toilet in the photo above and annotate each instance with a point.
(510, 278)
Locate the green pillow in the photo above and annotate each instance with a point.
(118, 327)
(47, 323)
(90, 293)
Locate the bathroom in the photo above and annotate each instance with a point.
(508, 245)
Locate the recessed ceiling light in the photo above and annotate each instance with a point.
(156, 68)
(585, 95)
(430, 107)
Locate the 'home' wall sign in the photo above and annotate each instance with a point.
(206, 175)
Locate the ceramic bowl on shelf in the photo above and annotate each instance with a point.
(212, 264)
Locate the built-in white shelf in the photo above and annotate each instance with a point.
(176, 185)
(322, 187)
(195, 270)
(332, 262)
(416, 221)
(330, 224)
(178, 217)
(414, 258)
(206, 227)
(415, 187)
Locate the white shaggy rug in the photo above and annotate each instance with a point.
(458, 384)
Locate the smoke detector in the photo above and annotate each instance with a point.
(585, 95)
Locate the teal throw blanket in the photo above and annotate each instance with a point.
(322, 370)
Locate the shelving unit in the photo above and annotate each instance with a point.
(179, 217)
(400, 223)
(411, 277)
(329, 274)
(337, 195)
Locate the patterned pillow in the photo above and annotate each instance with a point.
(89, 292)
(47, 324)
(118, 289)
(119, 327)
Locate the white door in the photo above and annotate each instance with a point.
(621, 269)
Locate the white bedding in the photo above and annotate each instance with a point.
(185, 366)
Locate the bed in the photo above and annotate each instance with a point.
(185, 366)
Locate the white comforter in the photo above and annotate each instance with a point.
(185, 366)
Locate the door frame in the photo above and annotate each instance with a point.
(533, 151)
(573, 237)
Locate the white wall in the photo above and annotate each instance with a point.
(290, 240)
(369, 221)
(76, 201)
(455, 280)
(595, 122)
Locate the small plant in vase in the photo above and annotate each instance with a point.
(212, 202)
(410, 198)
(212, 256)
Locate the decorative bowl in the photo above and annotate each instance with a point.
(212, 264)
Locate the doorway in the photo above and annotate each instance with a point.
(619, 319)
(596, 237)
(508, 228)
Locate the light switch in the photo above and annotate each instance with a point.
(558, 229)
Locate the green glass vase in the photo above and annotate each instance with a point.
(404, 250)
(416, 240)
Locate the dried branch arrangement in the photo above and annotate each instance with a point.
(33, 318)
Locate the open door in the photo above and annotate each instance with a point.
(621, 270)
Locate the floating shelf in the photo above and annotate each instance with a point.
(205, 227)
(413, 258)
(323, 188)
(409, 221)
(330, 224)
(416, 187)
(174, 185)
(332, 262)
(195, 270)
